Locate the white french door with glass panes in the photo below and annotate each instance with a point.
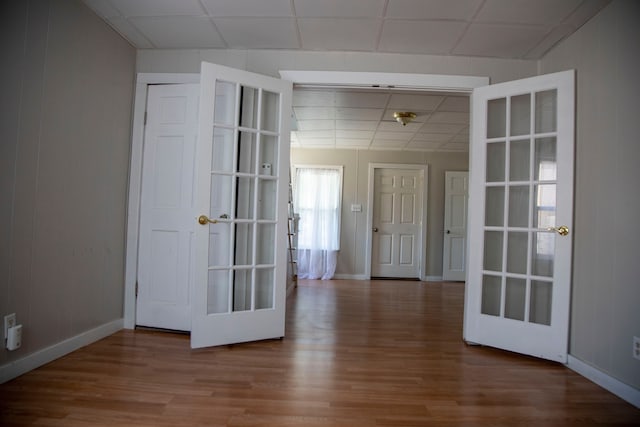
(241, 199)
(520, 216)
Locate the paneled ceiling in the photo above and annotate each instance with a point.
(516, 29)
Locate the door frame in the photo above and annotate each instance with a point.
(399, 81)
(422, 250)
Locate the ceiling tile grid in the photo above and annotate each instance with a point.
(520, 29)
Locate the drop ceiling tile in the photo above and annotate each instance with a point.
(253, 8)
(433, 9)
(455, 103)
(313, 98)
(449, 128)
(502, 41)
(360, 143)
(314, 134)
(411, 102)
(394, 126)
(450, 117)
(317, 142)
(460, 139)
(314, 113)
(538, 12)
(426, 37)
(455, 146)
(358, 113)
(169, 32)
(423, 145)
(356, 124)
(338, 34)
(339, 8)
(130, 33)
(354, 134)
(432, 137)
(361, 99)
(550, 40)
(258, 33)
(304, 125)
(159, 7)
(397, 136)
(388, 143)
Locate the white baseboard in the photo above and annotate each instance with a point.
(41, 357)
(350, 277)
(433, 279)
(620, 389)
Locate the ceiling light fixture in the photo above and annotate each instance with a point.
(404, 117)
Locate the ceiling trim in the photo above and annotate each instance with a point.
(396, 81)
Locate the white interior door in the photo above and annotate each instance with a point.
(456, 190)
(520, 216)
(396, 231)
(166, 207)
(241, 203)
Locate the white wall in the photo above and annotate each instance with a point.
(270, 62)
(351, 261)
(67, 84)
(606, 282)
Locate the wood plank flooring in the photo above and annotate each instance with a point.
(356, 353)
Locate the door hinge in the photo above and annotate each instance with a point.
(145, 118)
(136, 289)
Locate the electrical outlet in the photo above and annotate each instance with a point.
(9, 322)
(636, 347)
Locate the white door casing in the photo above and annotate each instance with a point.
(396, 249)
(166, 226)
(521, 198)
(455, 225)
(241, 207)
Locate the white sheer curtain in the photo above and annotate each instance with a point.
(317, 201)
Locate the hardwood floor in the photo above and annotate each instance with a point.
(357, 353)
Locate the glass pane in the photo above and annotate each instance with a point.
(267, 199)
(222, 150)
(495, 162)
(241, 290)
(519, 161)
(247, 152)
(225, 104)
(270, 111)
(517, 252)
(218, 291)
(243, 244)
(519, 206)
(542, 253)
(268, 155)
(545, 167)
(545, 206)
(249, 107)
(244, 198)
(264, 288)
(514, 298)
(546, 111)
(220, 196)
(497, 118)
(491, 293)
(219, 242)
(540, 302)
(521, 115)
(493, 250)
(265, 242)
(494, 207)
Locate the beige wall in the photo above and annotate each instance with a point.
(606, 286)
(351, 260)
(67, 82)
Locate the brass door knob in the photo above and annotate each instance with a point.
(204, 220)
(563, 230)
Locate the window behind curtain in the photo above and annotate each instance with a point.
(317, 198)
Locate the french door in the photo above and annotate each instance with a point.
(241, 187)
(520, 216)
